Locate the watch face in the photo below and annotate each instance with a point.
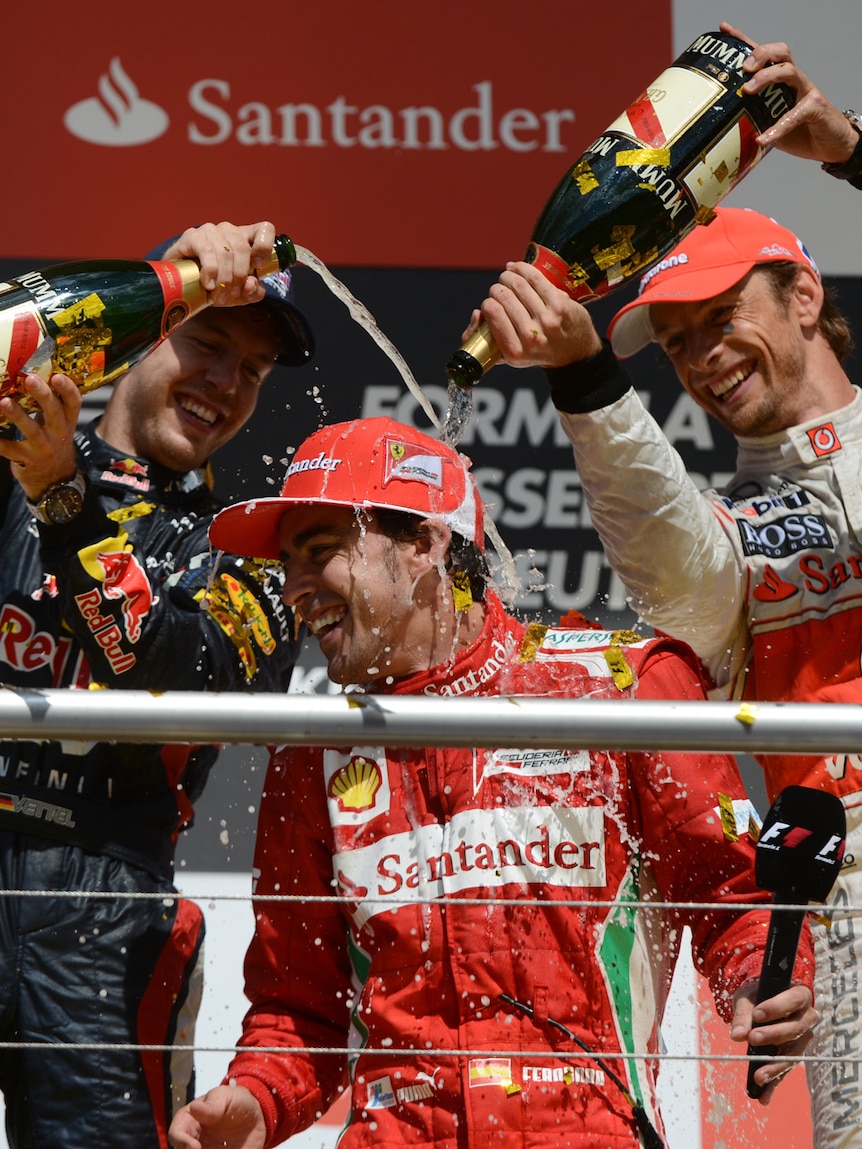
(62, 505)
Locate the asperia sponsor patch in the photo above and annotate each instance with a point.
(598, 651)
(560, 642)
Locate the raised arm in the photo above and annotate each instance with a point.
(814, 128)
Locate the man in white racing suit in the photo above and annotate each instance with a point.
(763, 578)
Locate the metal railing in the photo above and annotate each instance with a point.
(410, 721)
(344, 720)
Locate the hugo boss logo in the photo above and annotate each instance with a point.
(784, 536)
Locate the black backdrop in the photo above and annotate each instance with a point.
(523, 465)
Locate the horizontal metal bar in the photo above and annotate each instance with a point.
(347, 720)
(423, 1052)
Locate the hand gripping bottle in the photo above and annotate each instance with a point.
(657, 171)
(94, 319)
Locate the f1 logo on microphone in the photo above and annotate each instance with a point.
(787, 835)
(801, 845)
(791, 836)
(833, 850)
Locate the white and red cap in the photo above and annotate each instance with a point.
(363, 463)
(710, 260)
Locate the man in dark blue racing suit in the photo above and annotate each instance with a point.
(108, 580)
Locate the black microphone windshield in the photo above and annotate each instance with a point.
(798, 857)
(801, 844)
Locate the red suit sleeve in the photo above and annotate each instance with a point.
(297, 969)
(695, 853)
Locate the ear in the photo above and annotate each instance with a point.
(808, 296)
(431, 548)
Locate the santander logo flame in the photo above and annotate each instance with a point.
(118, 117)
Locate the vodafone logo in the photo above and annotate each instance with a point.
(824, 440)
(118, 117)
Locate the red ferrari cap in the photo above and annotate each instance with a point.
(363, 463)
(709, 261)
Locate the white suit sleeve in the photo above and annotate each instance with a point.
(682, 571)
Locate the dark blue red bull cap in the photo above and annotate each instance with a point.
(297, 338)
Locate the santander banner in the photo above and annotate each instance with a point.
(386, 135)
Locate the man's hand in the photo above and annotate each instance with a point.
(229, 255)
(533, 322)
(46, 454)
(785, 1021)
(228, 1117)
(813, 128)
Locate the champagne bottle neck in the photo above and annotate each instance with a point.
(282, 256)
(181, 277)
(474, 358)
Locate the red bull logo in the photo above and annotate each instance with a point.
(124, 579)
(129, 472)
(107, 633)
(25, 647)
(111, 564)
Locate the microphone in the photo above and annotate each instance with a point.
(797, 858)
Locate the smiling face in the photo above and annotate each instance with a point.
(744, 355)
(371, 603)
(195, 391)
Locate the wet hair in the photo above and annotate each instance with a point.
(831, 324)
(464, 557)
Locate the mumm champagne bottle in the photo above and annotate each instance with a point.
(657, 172)
(94, 319)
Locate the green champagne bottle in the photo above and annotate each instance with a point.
(657, 171)
(94, 319)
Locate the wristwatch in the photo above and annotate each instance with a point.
(62, 502)
(851, 169)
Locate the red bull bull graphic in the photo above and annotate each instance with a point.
(125, 580)
(112, 564)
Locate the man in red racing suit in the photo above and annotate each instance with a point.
(463, 941)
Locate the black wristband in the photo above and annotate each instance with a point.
(589, 384)
(851, 169)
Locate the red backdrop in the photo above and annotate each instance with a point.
(424, 134)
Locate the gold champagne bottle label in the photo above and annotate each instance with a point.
(94, 319)
(482, 347)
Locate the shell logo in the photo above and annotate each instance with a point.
(355, 785)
